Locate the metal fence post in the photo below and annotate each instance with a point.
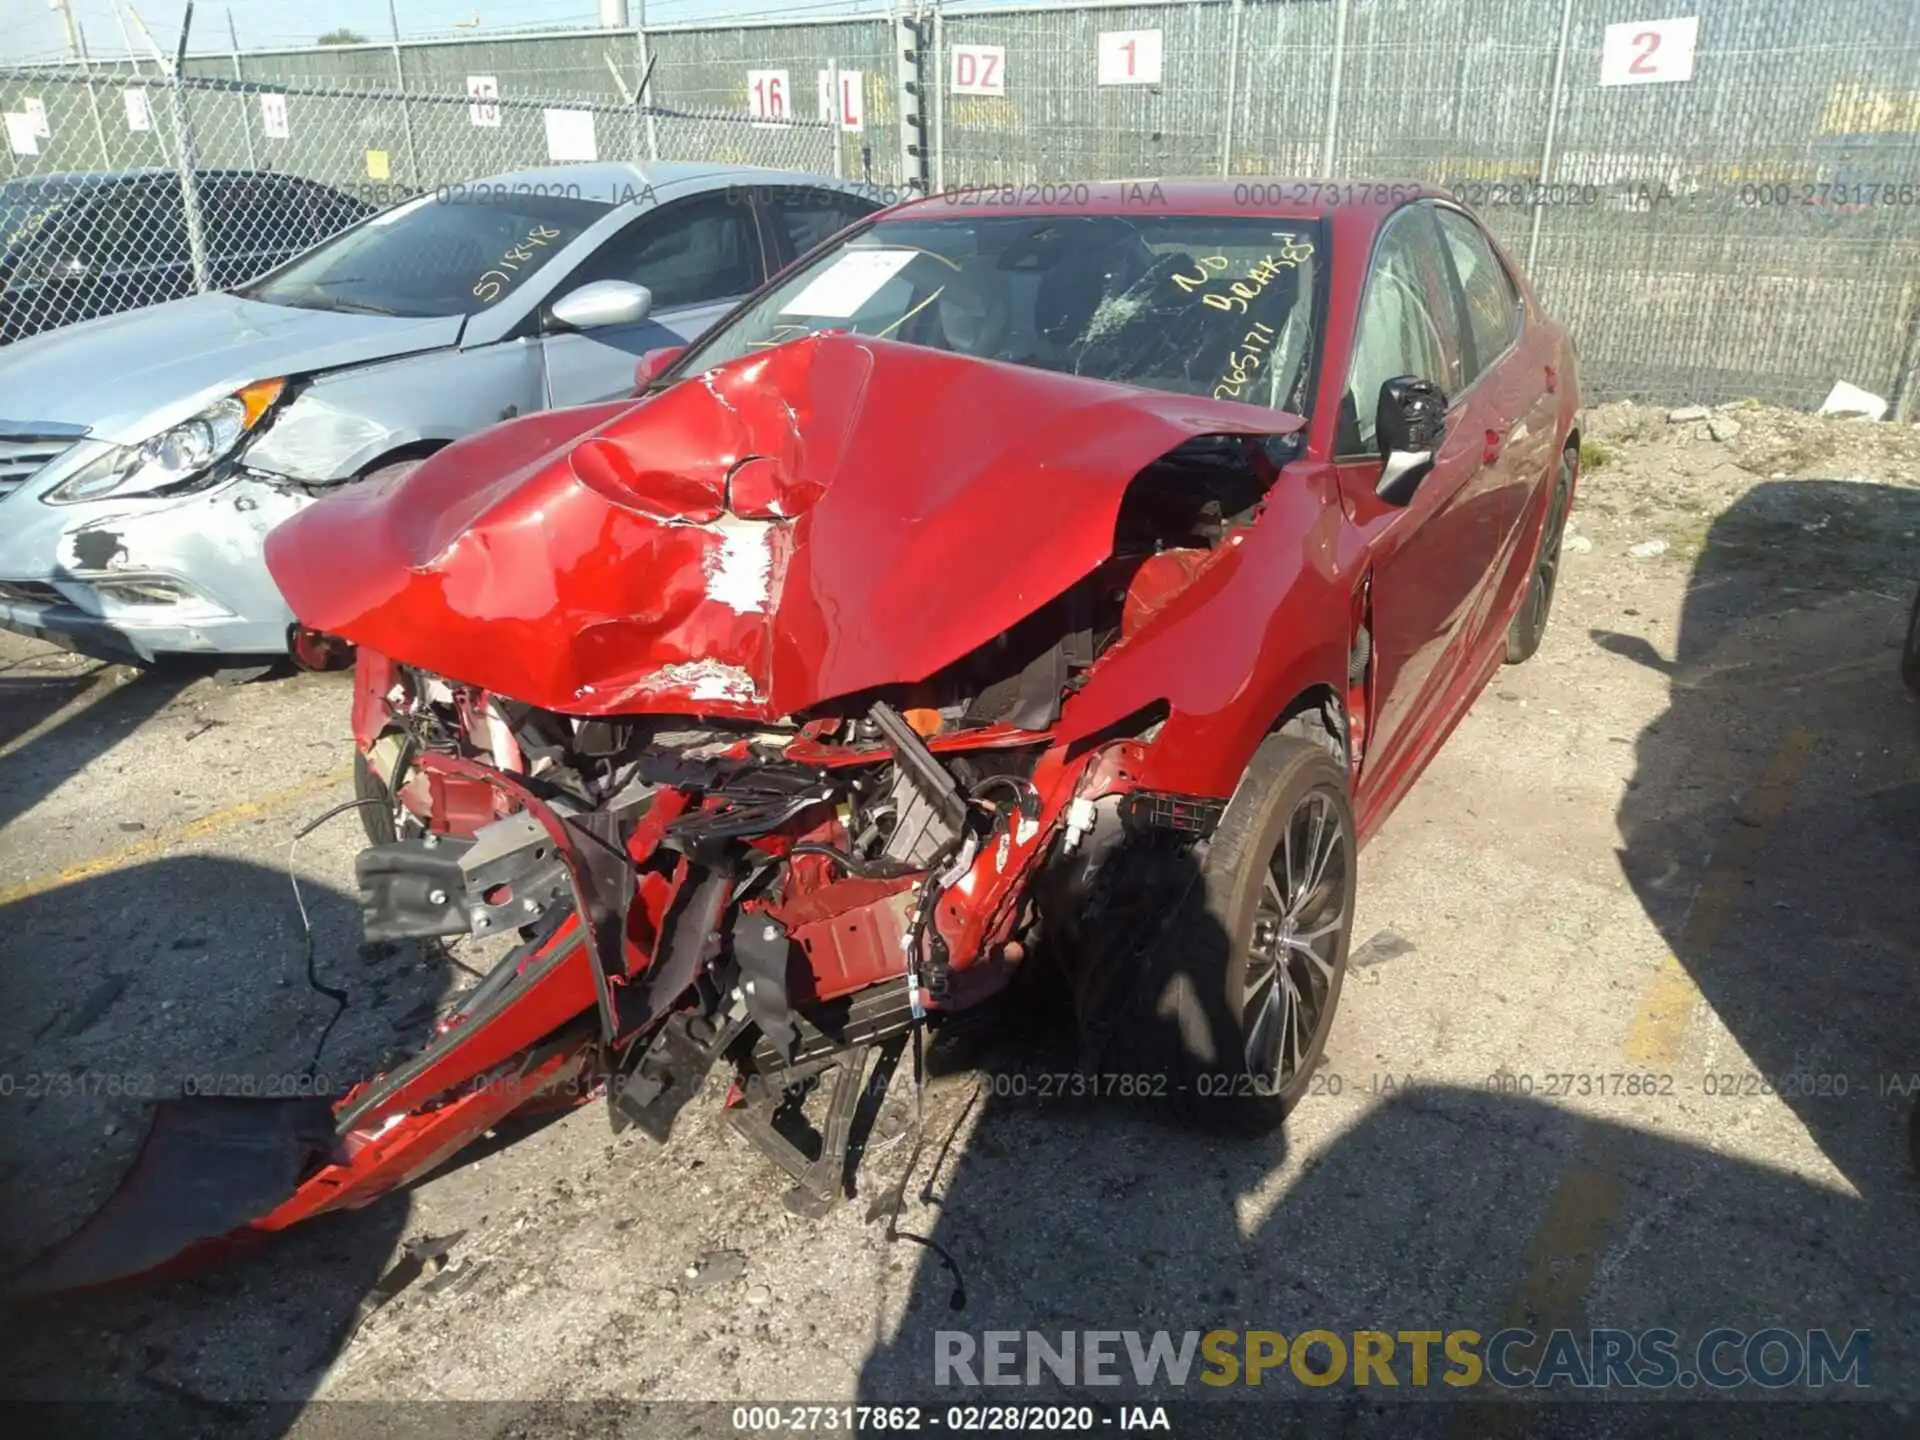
(833, 116)
(187, 155)
(1233, 89)
(1906, 383)
(1333, 88)
(239, 73)
(928, 108)
(1553, 127)
(641, 57)
(93, 100)
(406, 113)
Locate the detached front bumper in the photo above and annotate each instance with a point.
(217, 1171)
(144, 577)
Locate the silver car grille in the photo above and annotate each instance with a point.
(22, 457)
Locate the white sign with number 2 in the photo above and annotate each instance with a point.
(1129, 57)
(1648, 52)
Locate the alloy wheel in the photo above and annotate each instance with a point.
(1297, 931)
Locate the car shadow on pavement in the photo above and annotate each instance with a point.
(1772, 832)
(1441, 1209)
(119, 989)
(37, 767)
(1771, 829)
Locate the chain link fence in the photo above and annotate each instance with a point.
(123, 190)
(1747, 223)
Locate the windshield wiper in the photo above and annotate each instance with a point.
(343, 307)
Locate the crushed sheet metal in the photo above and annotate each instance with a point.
(595, 607)
(704, 680)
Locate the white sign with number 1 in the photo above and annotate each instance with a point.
(1649, 52)
(1129, 57)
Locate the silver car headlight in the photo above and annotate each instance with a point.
(176, 456)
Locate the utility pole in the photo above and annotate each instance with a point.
(65, 7)
(240, 97)
(184, 149)
(400, 83)
(79, 41)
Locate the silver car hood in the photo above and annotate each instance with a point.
(127, 376)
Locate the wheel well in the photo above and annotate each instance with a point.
(1573, 440)
(400, 454)
(1316, 714)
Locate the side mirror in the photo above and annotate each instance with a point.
(654, 364)
(1409, 424)
(602, 303)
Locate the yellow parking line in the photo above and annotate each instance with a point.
(1665, 1011)
(163, 840)
(1566, 1247)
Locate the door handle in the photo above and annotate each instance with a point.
(1491, 452)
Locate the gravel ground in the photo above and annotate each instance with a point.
(1680, 845)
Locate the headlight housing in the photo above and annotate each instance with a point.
(176, 456)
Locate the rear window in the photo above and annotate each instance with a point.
(435, 255)
(28, 209)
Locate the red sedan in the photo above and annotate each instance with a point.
(1005, 588)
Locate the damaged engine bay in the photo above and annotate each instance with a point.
(797, 896)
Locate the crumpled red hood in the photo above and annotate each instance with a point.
(826, 516)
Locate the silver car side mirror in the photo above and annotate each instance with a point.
(601, 303)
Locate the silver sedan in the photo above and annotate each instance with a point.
(144, 456)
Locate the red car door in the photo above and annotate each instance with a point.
(1429, 560)
(1509, 400)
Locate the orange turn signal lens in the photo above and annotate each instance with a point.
(258, 398)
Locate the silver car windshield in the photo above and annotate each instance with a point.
(434, 255)
(1222, 306)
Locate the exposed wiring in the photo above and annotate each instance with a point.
(865, 869)
(958, 1299)
(1025, 796)
(339, 997)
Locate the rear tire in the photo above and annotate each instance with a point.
(1237, 994)
(1529, 627)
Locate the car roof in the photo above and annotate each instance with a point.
(617, 178)
(1279, 197)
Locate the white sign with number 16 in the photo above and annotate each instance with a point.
(1648, 52)
(768, 100)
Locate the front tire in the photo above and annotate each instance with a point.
(1529, 627)
(1238, 993)
(376, 818)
